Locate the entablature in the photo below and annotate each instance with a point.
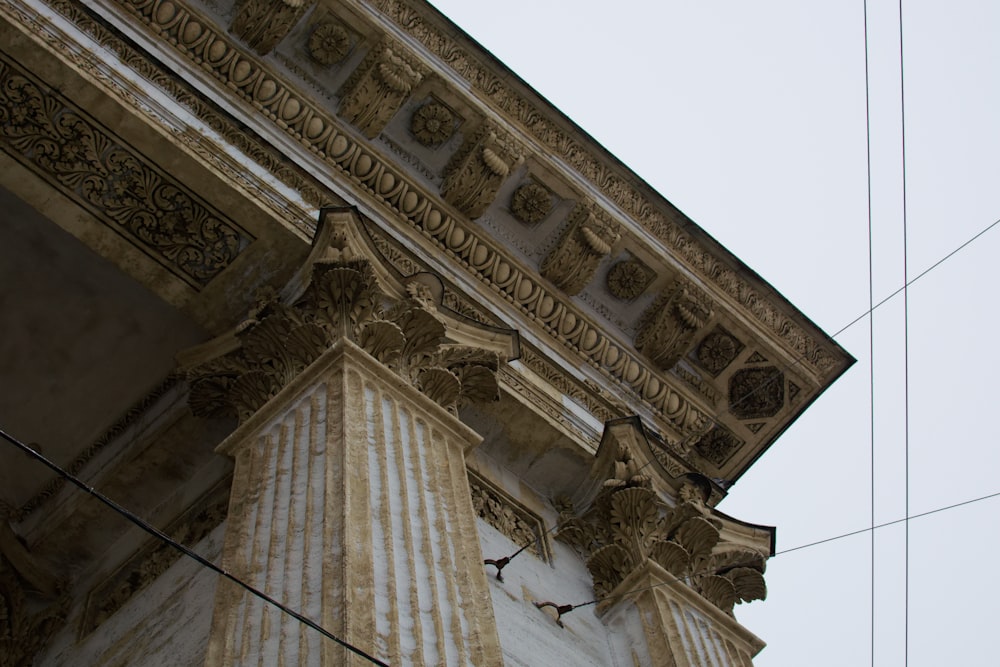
(383, 106)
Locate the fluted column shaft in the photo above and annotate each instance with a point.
(351, 503)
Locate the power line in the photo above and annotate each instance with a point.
(566, 608)
(503, 562)
(871, 324)
(163, 537)
(888, 523)
(906, 350)
(920, 275)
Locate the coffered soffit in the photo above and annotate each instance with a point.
(383, 106)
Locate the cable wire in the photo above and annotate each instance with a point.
(871, 322)
(163, 537)
(503, 562)
(565, 609)
(906, 348)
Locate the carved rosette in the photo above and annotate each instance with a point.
(377, 89)
(718, 445)
(530, 203)
(757, 392)
(584, 243)
(671, 323)
(479, 168)
(264, 23)
(432, 124)
(329, 43)
(627, 524)
(343, 300)
(718, 350)
(628, 279)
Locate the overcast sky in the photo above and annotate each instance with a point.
(750, 118)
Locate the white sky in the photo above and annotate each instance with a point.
(750, 117)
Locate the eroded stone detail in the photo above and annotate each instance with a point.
(530, 203)
(628, 279)
(627, 524)
(329, 43)
(718, 445)
(717, 350)
(756, 392)
(433, 124)
(264, 23)
(91, 165)
(508, 516)
(671, 322)
(149, 562)
(377, 89)
(756, 358)
(479, 168)
(584, 243)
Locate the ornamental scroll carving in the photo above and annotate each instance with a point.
(479, 168)
(505, 514)
(669, 325)
(585, 242)
(264, 23)
(343, 298)
(627, 524)
(120, 187)
(377, 89)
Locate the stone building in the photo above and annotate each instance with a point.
(325, 293)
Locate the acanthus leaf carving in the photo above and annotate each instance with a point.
(340, 296)
(627, 524)
(379, 87)
(584, 243)
(671, 323)
(264, 23)
(479, 168)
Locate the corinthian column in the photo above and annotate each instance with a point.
(350, 500)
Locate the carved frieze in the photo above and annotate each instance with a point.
(583, 244)
(264, 23)
(629, 278)
(329, 42)
(88, 163)
(717, 350)
(149, 562)
(377, 89)
(508, 516)
(756, 392)
(627, 523)
(433, 124)
(479, 168)
(671, 322)
(531, 202)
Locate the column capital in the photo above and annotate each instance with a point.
(345, 291)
